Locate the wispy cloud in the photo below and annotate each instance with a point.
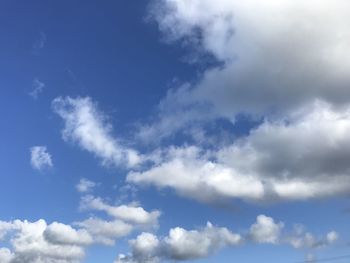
(85, 185)
(40, 158)
(39, 43)
(37, 88)
(88, 127)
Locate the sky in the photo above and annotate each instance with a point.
(174, 131)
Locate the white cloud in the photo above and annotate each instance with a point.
(302, 157)
(276, 57)
(302, 239)
(125, 219)
(39, 242)
(6, 256)
(145, 246)
(193, 175)
(85, 185)
(88, 127)
(4, 229)
(180, 244)
(184, 244)
(40, 158)
(265, 230)
(106, 232)
(58, 233)
(30, 243)
(332, 237)
(128, 213)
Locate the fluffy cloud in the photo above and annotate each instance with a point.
(194, 176)
(85, 185)
(88, 127)
(6, 255)
(276, 57)
(106, 232)
(37, 242)
(40, 158)
(183, 244)
(58, 233)
(125, 219)
(180, 244)
(265, 230)
(127, 213)
(300, 158)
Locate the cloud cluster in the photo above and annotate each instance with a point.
(38, 242)
(40, 158)
(302, 239)
(88, 127)
(181, 244)
(123, 219)
(283, 62)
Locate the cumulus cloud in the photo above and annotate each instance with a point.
(40, 158)
(302, 239)
(279, 160)
(276, 57)
(184, 244)
(6, 256)
(105, 232)
(38, 242)
(88, 127)
(124, 220)
(58, 233)
(265, 230)
(194, 176)
(85, 185)
(180, 244)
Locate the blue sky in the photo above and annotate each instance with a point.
(174, 130)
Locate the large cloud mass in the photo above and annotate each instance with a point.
(286, 62)
(277, 55)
